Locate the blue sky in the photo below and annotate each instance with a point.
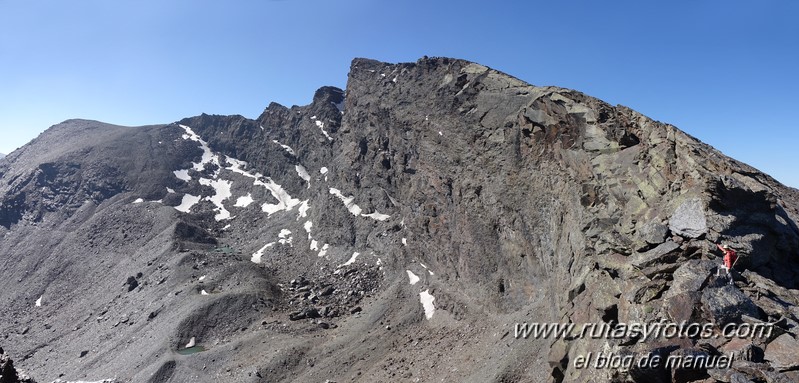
(723, 71)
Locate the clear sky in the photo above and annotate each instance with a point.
(723, 71)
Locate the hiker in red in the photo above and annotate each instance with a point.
(729, 256)
(729, 260)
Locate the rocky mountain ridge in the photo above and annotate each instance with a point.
(398, 230)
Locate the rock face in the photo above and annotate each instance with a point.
(8, 373)
(429, 208)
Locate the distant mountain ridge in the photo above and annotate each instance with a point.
(426, 209)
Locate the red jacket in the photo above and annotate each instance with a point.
(729, 256)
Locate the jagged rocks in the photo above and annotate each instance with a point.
(9, 374)
(653, 233)
(664, 253)
(727, 304)
(689, 219)
(783, 352)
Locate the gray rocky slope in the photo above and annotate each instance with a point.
(397, 231)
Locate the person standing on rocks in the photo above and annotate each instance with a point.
(729, 259)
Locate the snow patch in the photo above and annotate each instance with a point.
(285, 237)
(314, 245)
(187, 203)
(351, 260)
(244, 201)
(170, 190)
(182, 174)
(427, 303)
(284, 200)
(405, 241)
(323, 252)
(207, 157)
(321, 126)
(256, 257)
(203, 292)
(308, 225)
(39, 301)
(287, 148)
(138, 200)
(303, 209)
(202, 278)
(222, 188)
(192, 343)
(303, 173)
(412, 277)
(377, 216)
(323, 170)
(353, 208)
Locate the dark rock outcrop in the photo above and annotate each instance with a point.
(8, 373)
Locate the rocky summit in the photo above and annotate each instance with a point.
(425, 224)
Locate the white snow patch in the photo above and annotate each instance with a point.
(182, 174)
(412, 277)
(353, 208)
(308, 225)
(313, 117)
(314, 245)
(203, 292)
(244, 201)
(405, 241)
(323, 170)
(261, 126)
(284, 200)
(222, 188)
(377, 216)
(303, 209)
(287, 148)
(202, 278)
(192, 343)
(394, 80)
(427, 303)
(138, 200)
(207, 157)
(321, 126)
(303, 173)
(170, 190)
(285, 237)
(351, 260)
(425, 267)
(39, 301)
(187, 203)
(256, 257)
(440, 133)
(323, 252)
(226, 227)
